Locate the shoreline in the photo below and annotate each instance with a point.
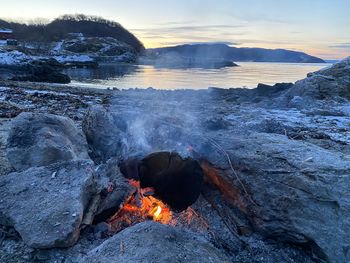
(284, 143)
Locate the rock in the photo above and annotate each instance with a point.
(297, 192)
(267, 90)
(215, 123)
(53, 77)
(103, 133)
(5, 166)
(13, 59)
(297, 102)
(86, 51)
(153, 242)
(331, 83)
(9, 110)
(43, 70)
(43, 139)
(114, 190)
(46, 204)
(102, 230)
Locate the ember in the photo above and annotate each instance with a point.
(140, 207)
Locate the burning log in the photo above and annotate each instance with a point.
(176, 181)
(138, 209)
(164, 182)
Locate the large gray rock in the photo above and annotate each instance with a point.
(46, 204)
(297, 192)
(103, 132)
(332, 83)
(114, 190)
(153, 242)
(43, 139)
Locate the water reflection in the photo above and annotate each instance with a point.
(248, 74)
(103, 72)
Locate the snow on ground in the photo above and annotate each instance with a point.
(58, 47)
(2, 93)
(14, 58)
(336, 127)
(73, 58)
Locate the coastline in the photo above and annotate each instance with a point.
(282, 140)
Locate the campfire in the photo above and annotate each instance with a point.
(165, 184)
(140, 207)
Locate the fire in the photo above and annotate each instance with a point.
(141, 207)
(157, 212)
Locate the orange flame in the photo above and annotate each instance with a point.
(140, 208)
(156, 212)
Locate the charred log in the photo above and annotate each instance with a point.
(175, 180)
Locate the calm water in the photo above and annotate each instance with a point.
(248, 74)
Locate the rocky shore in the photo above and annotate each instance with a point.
(276, 161)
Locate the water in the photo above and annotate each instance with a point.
(248, 75)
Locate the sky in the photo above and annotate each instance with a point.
(317, 27)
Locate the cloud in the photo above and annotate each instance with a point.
(229, 43)
(189, 34)
(176, 43)
(261, 17)
(341, 46)
(188, 28)
(174, 23)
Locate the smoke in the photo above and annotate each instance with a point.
(157, 120)
(138, 134)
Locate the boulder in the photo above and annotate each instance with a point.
(291, 190)
(43, 139)
(43, 70)
(332, 83)
(153, 242)
(52, 77)
(103, 133)
(114, 190)
(268, 90)
(46, 204)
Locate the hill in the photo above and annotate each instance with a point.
(61, 27)
(225, 52)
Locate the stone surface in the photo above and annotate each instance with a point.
(5, 166)
(153, 242)
(34, 69)
(294, 170)
(103, 133)
(332, 83)
(297, 192)
(46, 204)
(8, 110)
(43, 139)
(114, 190)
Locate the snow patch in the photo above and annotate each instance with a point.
(14, 58)
(58, 47)
(73, 58)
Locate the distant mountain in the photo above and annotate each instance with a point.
(225, 52)
(333, 61)
(61, 27)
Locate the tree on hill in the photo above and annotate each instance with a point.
(90, 26)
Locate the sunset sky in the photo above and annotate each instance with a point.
(317, 27)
